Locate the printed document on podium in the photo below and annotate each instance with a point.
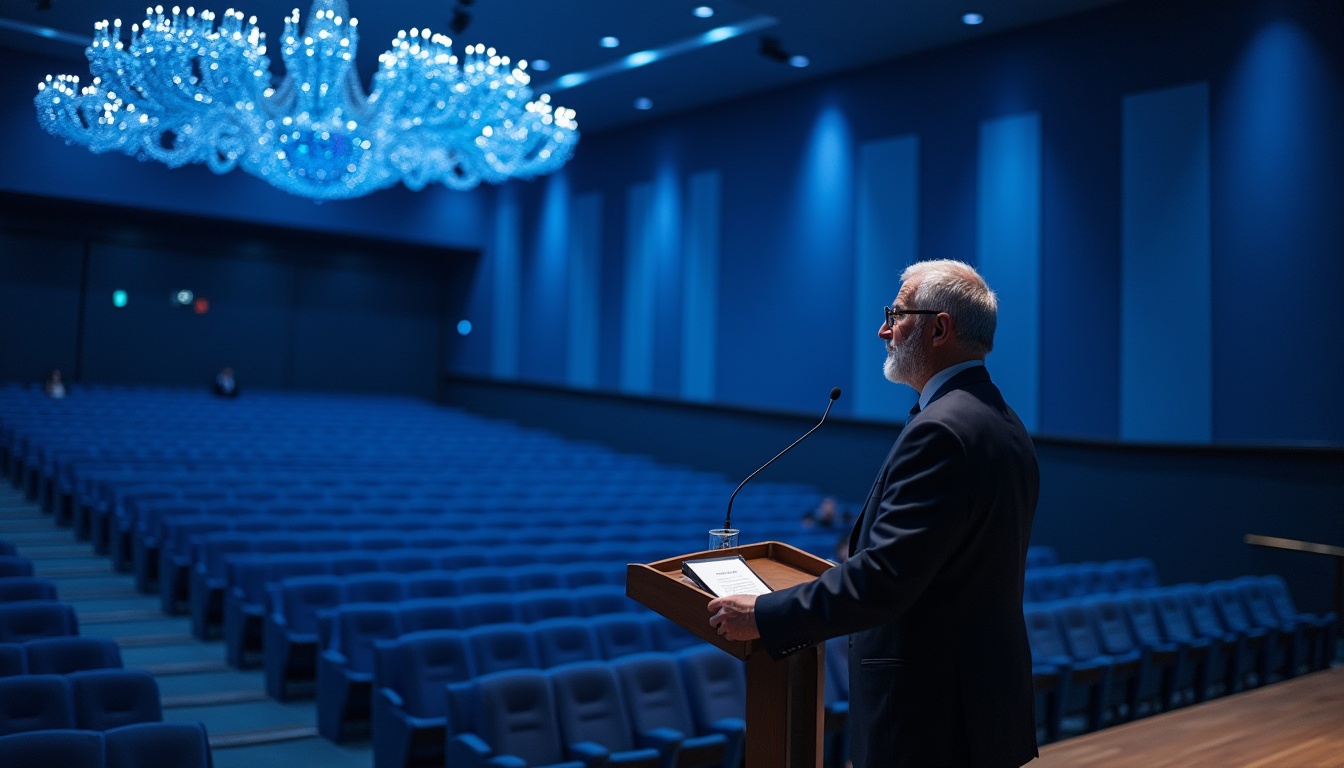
(723, 576)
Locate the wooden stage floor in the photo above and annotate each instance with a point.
(1296, 723)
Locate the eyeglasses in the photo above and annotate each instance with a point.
(894, 314)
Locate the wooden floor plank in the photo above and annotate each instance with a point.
(1292, 724)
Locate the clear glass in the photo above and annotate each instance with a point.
(723, 538)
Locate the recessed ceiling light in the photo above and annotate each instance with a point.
(799, 60)
(609, 42)
(703, 11)
(643, 103)
(972, 19)
(541, 65)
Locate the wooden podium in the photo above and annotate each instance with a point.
(784, 698)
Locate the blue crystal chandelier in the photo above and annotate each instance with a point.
(184, 90)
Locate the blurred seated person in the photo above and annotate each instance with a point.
(826, 515)
(53, 386)
(225, 384)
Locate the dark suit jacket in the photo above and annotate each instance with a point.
(940, 669)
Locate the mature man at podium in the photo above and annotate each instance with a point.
(940, 669)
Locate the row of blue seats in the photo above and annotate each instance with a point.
(411, 673)
(1064, 580)
(16, 588)
(294, 635)
(91, 700)
(650, 710)
(141, 745)
(58, 655)
(29, 619)
(1107, 658)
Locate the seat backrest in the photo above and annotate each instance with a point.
(621, 634)
(36, 618)
(1073, 579)
(601, 599)
(589, 705)
(1226, 599)
(501, 647)
(375, 587)
(418, 665)
(35, 703)
(428, 613)
(1040, 555)
(431, 583)
(16, 588)
(1043, 632)
(411, 561)
(12, 660)
(111, 698)
(1075, 624)
(61, 748)
(517, 716)
(716, 685)
(668, 635)
(652, 687)
(1143, 621)
(481, 610)
(1277, 590)
(158, 745)
(1203, 616)
(63, 655)
(1043, 585)
(1172, 615)
(489, 579)
(1256, 600)
(1143, 573)
(359, 626)
(1111, 625)
(301, 597)
(563, 640)
(545, 604)
(537, 576)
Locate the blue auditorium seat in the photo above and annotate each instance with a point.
(31, 619)
(587, 574)
(1291, 644)
(545, 604)
(410, 706)
(515, 717)
(1321, 630)
(564, 639)
(16, 588)
(345, 666)
(594, 720)
(158, 745)
(621, 634)
(356, 562)
(601, 599)
(716, 687)
(1039, 556)
(480, 610)
(176, 559)
(410, 561)
(1239, 652)
(1042, 585)
(110, 698)
(537, 576)
(1078, 627)
(428, 613)
(431, 583)
(35, 703)
(53, 748)
(291, 642)
(493, 580)
(1150, 686)
(668, 635)
(375, 587)
(63, 655)
(14, 565)
(652, 687)
(1214, 656)
(1074, 685)
(1143, 573)
(12, 660)
(209, 580)
(1176, 670)
(1271, 655)
(501, 647)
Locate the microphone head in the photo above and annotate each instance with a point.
(835, 393)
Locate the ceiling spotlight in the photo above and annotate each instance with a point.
(643, 102)
(972, 19)
(703, 12)
(461, 20)
(609, 42)
(799, 61)
(541, 65)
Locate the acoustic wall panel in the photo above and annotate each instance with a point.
(886, 241)
(637, 325)
(505, 303)
(700, 284)
(585, 263)
(1008, 254)
(1166, 379)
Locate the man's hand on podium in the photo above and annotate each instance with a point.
(734, 617)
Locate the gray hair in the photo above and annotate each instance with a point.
(957, 289)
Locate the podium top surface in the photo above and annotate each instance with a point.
(662, 587)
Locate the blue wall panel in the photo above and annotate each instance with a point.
(585, 252)
(638, 321)
(1008, 254)
(885, 243)
(503, 260)
(1166, 385)
(700, 280)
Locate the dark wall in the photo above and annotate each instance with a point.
(286, 308)
(1187, 507)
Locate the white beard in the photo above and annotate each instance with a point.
(906, 360)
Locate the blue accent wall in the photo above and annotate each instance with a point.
(585, 251)
(1166, 332)
(700, 306)
(1008, 254)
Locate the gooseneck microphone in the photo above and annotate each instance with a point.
(728, 519)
